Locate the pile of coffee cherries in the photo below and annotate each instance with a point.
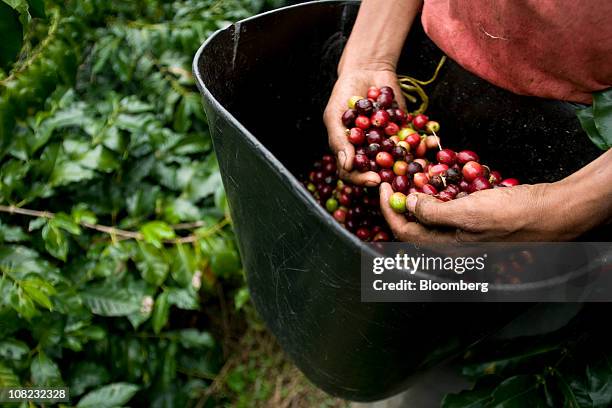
(397, 145)
(357, 208)
(405, 150)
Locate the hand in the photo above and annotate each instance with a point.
(351, 83)
(539, 212)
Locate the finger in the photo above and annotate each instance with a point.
(433, 212)
(399, 96)
(338, 141)
(409, 231)
(368, 179)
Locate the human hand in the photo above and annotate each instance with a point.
(538, 212)
(353, 82)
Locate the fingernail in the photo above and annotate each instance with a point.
(411, 202)
(370, 183)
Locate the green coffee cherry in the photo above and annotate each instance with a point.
(331, 204)
(397, 201)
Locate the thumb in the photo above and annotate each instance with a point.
(431, 211)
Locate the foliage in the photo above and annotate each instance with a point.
(596, 120)
(113, 224)
(570, 367)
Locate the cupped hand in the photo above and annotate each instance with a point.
(538, 212)
(354, 83)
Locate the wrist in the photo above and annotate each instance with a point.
(373, 64)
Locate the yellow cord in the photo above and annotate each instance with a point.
(410, 85)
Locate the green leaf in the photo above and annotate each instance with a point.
(12, 233)
(225, 262)
(155, 232)
(99, 158)
(39, 290)
(13, 349)
(56, 241)
(44, 371)
(80, 213)
(184, 265)
(478, 397)
(160, 312)
(183, 298)
(66, 223)
(588, 124)
(22, 303)
(110, 301)
(152, 264)
(109, 396)
(241, 297)
(68, 172)
(518, 392)
(86, 375)
(599, 380)
(193, 338)
(602, 114)
(7, 377)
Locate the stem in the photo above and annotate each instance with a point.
(125, 234)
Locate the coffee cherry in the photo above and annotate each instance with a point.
(387, 90)
(373, 149)
(391, 129)
(414, 167)
(480, 183)
(386, 175)
(420, 179)
(446, 156)
(461, 195)
(350, 225)
(421, 150)
(331, 204)
(353, 101)
(471, 170)
(384, 160)
(380, 118)
(330, 168)
(361, 163)
(429, 189)
(385, 100)
(400, 116)
(387, 145)
(360, 150)
(381, 236)
(405, 132)
(373, 166)
(391, 113)
(414, 189)
(340, 215)
(373, 92)
(400, 168)
(444, 196)
(311, 187)
(348, 118)
(405, 145)
(363, 234)
(432, 126)
(452, 189)
(364, 107)
(420, 121)
(464, 186)
(394, 139)
(358, 191)
(437, 182)
(356, 136)
(433, 142)
(344, 200)
(362, 122)
(401, 184)
(423, 162)
(437, 169)
(397, 202)
(509, 182)
(495, 177)
(413, 139)
(398, 152)
(465, 156)
(375, 136)
(328, 158)
(453, 176)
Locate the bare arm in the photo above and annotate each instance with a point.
(369, 59)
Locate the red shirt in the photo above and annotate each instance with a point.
(553, 49)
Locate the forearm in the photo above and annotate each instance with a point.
(587, 194)
(379, 34)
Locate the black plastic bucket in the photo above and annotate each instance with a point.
(265, 82)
